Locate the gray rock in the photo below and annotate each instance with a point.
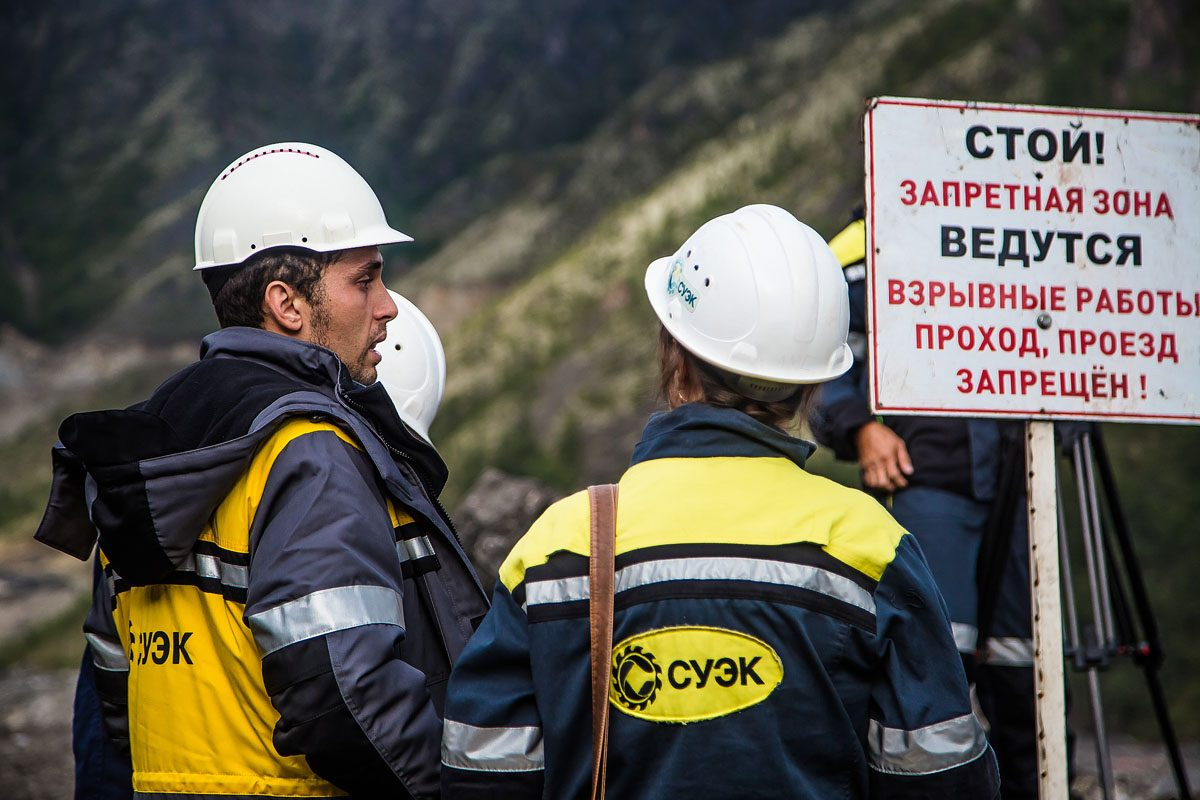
(495, 513)
(35, 735)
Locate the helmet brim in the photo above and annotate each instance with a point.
(375, 237)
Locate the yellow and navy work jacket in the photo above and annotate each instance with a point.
(282, 599)
(776, 635)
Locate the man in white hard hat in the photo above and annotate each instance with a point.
(283, 595)
(774, 634)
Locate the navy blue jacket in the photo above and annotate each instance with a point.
(776, 635)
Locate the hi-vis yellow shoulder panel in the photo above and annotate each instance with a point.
(690, 673)
(230, 523)
(718, 499)
(757, 501)
(562, 526)
(850, 246)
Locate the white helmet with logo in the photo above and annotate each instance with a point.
(288, 195)
(759, 294)
(413, 366)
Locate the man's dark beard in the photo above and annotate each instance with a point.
(359, 370)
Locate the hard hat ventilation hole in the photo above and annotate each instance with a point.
(696, 267)
(253, 246)
(689, 254)
(399, 347)
(304, 238)
(248, 159)
(706, 281)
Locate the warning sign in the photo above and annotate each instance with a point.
(1033, 262)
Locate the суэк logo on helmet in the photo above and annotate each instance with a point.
(677, 286)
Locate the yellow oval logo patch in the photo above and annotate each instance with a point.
(691, 673)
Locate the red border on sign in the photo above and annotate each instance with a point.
(963, 105)
(1056, 111)
(1050, 415)
(871, 256)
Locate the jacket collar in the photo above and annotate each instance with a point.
(699, 430)
(319, 366)
(305, 360)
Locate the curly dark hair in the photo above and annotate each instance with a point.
(239, 301)
(682, 375)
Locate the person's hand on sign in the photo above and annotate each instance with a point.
(882, 457)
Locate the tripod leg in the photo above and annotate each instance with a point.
(1064, 556)
(1149, 656)
(1103, 755)
(1107, 631)
(1095, 656)
(1090, 556)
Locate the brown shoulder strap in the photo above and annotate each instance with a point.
(603, 502)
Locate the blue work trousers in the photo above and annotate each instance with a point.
(950, 529)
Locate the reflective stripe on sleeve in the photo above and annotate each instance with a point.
(1009, 651)
(709, 569)
(934, 748)
(492, 749)
(107, 654)
(964, 636)
(324, 612)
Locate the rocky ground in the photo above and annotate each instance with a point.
(35, 735)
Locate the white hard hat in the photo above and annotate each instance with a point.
(759, 294)
(413, 366)
(288, 195)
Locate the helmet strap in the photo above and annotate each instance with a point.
(760, 389)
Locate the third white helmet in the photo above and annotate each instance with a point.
(413, 366)
(759, 294)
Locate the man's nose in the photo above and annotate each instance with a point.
(387, 309)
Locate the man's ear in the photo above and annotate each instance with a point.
(284, 310)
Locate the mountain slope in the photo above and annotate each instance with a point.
(542, 154)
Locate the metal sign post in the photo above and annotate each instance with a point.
(1047, 610)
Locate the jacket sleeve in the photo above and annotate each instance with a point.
(843, 406)
(324, 604)
(492, 742)
(109, 672)
(923, 740)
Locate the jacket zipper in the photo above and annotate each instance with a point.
(429, 493)
(423, 580)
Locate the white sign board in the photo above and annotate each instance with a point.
(1033, 262)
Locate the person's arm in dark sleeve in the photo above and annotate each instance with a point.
(325, 608)
(492, 742)
(109, 674)
(923, 739)
(843, 406)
